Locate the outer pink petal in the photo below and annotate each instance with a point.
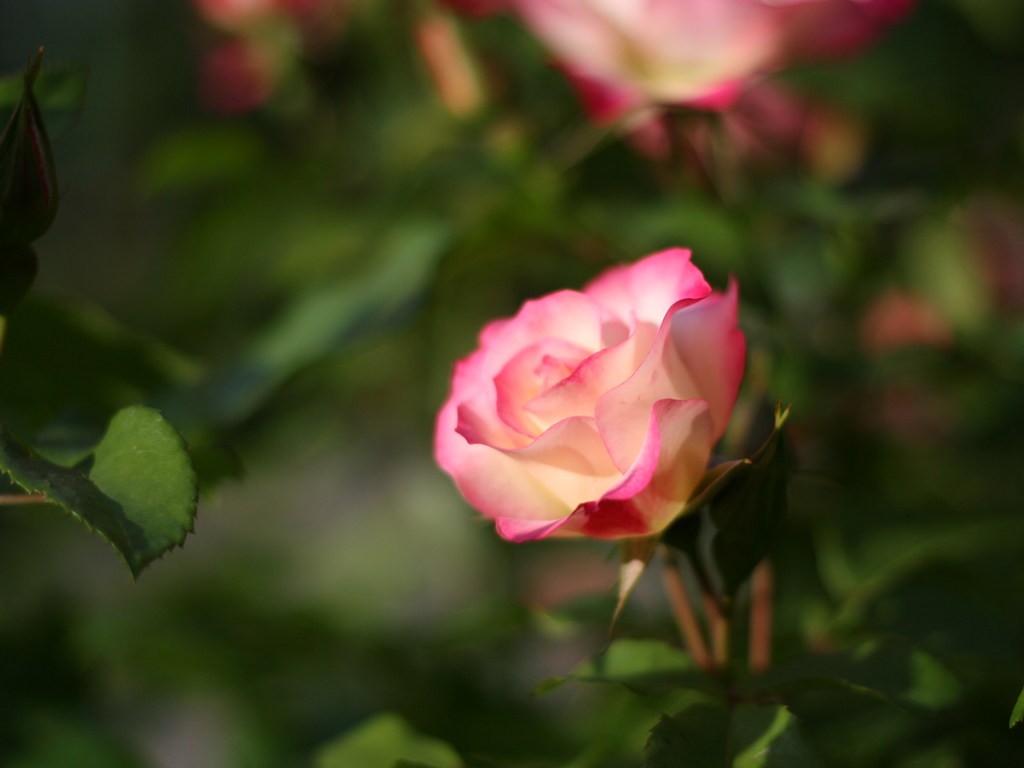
(650, 286)
(713, 351)
(605, 102)
(721, 97)
(668, 468)
(526, 530)
(566, 315)
(833, 28)
(698, 356)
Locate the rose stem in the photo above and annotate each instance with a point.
(683, 612)
(762, 588)
(719, 632)
(3, 329)
(35, 498)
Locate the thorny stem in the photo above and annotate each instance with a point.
(34, 498)
(683, 612)
(3, 329)
(762, 588)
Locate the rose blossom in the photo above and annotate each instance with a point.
(594, 413)
(626, 54)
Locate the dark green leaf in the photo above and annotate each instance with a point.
(1018, 710)
(768, 736)
(384, 741)
(140, 493)
(648, 667)
(893, 670)
(113, 368)
(697, 737)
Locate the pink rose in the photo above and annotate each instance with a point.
(595, 413)
(699, 53)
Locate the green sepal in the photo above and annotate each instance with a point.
(740, 508)
(747, 514)
(29, 195)
(140, 490)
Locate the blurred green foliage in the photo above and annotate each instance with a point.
(291, 286)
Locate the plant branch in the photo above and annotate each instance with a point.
(683, 612)
(762, 589)
(720, 627)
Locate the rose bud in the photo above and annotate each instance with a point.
(594, 413)
(28, 173)
(694, 52)
(18, 268)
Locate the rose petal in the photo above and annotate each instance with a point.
(713, 351)
(566, 315)
(649, 287)
(571, 460)
(519, 381)
(668, 468)
(577, 394)
(526, 530)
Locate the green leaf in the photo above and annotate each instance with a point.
(889, 670)
(384, 741)
(767, 736)
(320, 322)
(1018, 710)
(113, 368)
(648, 667)
(697, 737)
(710, 736)
(140, 493)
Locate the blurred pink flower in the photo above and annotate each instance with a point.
(625, 54)
(897, 320)
(594, 413)
(237, 76)
(234, 14)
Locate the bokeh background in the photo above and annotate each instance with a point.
(283, 235)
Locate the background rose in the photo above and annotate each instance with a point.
(595, 413)
(694, 52)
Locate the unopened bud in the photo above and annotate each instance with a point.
(28, 174)
(18, 268)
